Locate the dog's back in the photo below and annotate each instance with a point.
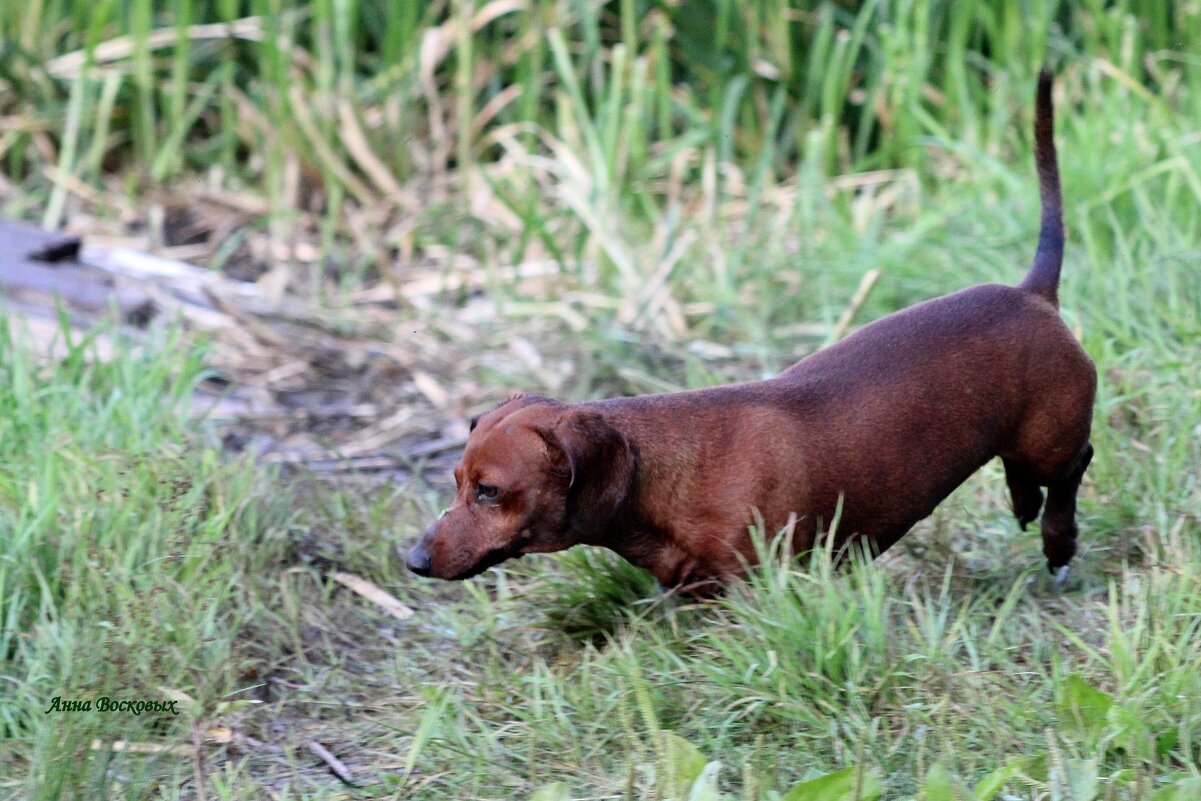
(911, 405)
(908, 407)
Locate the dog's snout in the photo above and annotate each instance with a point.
(419, 561)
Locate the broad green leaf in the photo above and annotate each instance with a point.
(1165, 742)
(1035, 767)
(1084, 706)
(1184, 790)
(682, 764)
(990, 785)
(555, 791)
(838, 786)
(1126, 724)
(940, 784)
(1123, 778)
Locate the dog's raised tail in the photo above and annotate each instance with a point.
(1043, 278)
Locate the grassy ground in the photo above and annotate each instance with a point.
(690, 209)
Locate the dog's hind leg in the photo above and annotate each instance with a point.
(1059, 518)
(1023, 488)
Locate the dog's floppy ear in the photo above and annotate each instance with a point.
(600, 466)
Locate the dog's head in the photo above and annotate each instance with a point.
(536, 476)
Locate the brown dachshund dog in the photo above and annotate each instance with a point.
(871, 434)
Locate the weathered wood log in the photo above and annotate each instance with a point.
(37, 262)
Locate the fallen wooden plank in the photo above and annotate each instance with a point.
(41, 263)
(336, 765)
(377, 596)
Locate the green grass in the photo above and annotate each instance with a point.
(125, 550)
(698, 172)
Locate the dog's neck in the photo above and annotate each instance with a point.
(642, 530)
(671, 565)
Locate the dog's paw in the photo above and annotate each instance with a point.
(1061, 577)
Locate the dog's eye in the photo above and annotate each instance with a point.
(488, 492)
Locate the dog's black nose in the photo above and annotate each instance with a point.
(419, 561)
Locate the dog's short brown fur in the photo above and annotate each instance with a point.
(890, 421)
